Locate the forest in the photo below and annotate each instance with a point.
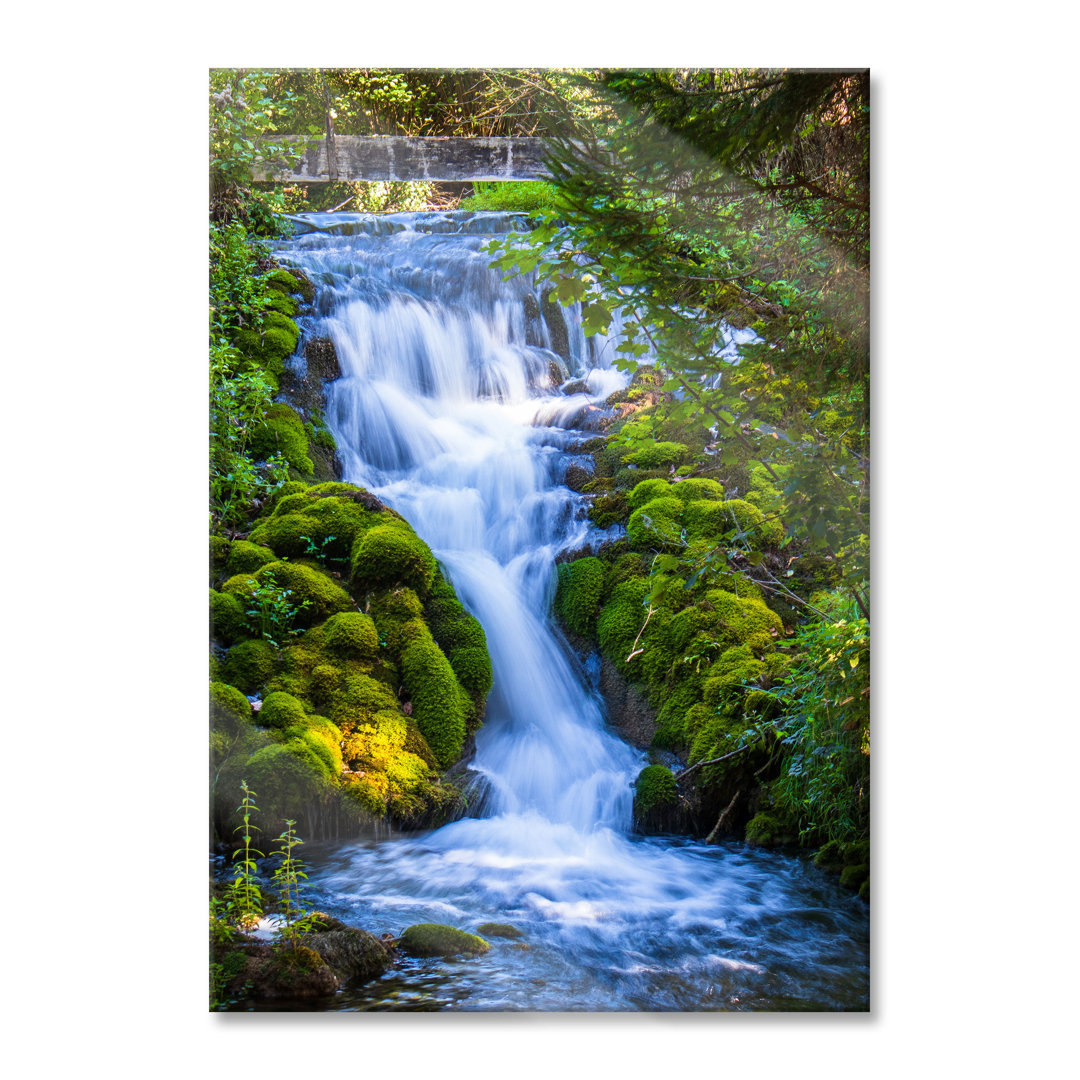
(539, 546)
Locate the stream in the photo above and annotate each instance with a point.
(448, 410)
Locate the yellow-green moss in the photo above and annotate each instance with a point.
(659, 455)
(499, 930)
(769, 830)
(270, 346)
(229, 708)
(620, 620)
(281, 710)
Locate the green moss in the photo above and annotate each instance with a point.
(579, 593)
(228, 619)
(392, 609)
(246, 557)
(289, 536)
(219, 553)
(392, 554)
(324, 683)
(696, 489)
(608, 510)
(282, 432)
(229, 708)
(325, 597)
(500, 930)
(434, 939)
(289, 281)
(440, 707)
(270, 346)
(620, 620)
(648, 490)
(283, 303)
(766, 830)
(315, 749)
(352, 635)
(707, 519)
(736, 668)
(744, 620)
(280, 710)
(864, 890)
(853, 876)
(283, 778)
(473, 669)
(831, 857)
(659, 455)
(657, 522)
(249, 665)
(654, 789)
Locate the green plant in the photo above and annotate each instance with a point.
(270, 612)
(244, 904)
(825, 778)
(289, 878)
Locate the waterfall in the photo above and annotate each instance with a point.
(452, 408)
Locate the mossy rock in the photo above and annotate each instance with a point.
(283, 778)
(293, 972)
(646, 491)
(351, 634)
(621, 619)
(351, 953)
(392, 554)
(283, 303)
(473, 669)
(281, 710)
(852, 877)
(654, 789)
(291, 535)
(435, 939)
(249, 665)
(246, 557)
(499, 930)
(579, 593)
(706, 519)
(439, 705)
(658, 455)
(831, 857)
(291, 281)
(608, 510)
(304, 582)
(228, 619)
(697, 489)
(219, 554)
(768, 830)
(230, 710)
(657, 523)
(272, 344)
(282, 432)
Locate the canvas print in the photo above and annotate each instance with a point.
(539, 540)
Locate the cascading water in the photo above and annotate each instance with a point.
(446, 409)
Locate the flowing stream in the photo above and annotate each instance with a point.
(449, 409)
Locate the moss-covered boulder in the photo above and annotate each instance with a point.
(771, 830)
(439, 705)
(249, 665)
(228, 620)
(352, 635)
(324, 596)
(270, 345)
(229, 708)
(281, 710)
(435, 939)
(352, 954)
(246, 557)
(392, 555)
(282, 432)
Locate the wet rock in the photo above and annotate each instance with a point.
(555, 321)
(499, 930)
(628, 711)
(285, 972)
(577, 477)
(351, 953)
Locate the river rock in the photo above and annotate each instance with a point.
(629, 713)
(351, 953)
(435, 939)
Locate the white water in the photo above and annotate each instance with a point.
(447, 411)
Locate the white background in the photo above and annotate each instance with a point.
(974, 312)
